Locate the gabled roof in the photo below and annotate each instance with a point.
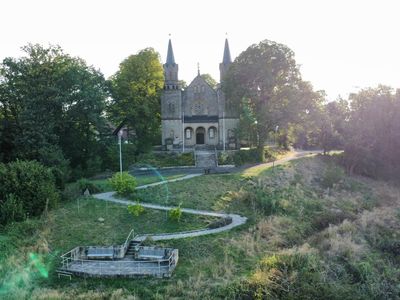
(200, 80)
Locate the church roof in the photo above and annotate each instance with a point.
(170, 54)
(227, 53)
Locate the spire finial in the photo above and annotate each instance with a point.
(198, 69)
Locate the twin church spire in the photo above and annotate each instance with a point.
(171, 67)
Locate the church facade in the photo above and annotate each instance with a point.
(196, 115)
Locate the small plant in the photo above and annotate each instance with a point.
(124, 184)
(176, 213)
(136, 209)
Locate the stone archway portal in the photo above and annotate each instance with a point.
(200, 132)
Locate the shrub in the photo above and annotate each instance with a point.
(175, 214)
(84, 184)
(124, 184)
(71, 192)
(165, 159)
(225, 158)
(136, 210)
(247, 156)
(11, 210)
(333, 175)
(31, 184)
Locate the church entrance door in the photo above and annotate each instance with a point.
(200, 132)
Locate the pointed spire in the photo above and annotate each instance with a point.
(227, 53)
(198, 69)
(170, 54)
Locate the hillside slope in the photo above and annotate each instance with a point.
(313, 233)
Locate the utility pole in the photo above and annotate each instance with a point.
(120, 150)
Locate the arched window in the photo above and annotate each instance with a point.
(188, 133)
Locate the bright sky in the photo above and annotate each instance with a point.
(341, 45)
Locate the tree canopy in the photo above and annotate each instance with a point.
(136, 89)
(265, 82)
(51, 108)
(210, 80)
(372, 137)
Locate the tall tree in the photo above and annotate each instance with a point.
(136, 94)
(266, 78)
(373, 135)
(52, 107)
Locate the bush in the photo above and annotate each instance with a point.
(175, 214)
(225, 158)
(84, 184)
(11, 210)
(136, 210)
(32, 186)
(247, 156)
(165, 159)
(124, 184)
(333, 175)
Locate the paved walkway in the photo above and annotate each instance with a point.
(167, 181)
(237, 220)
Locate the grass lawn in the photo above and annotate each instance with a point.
(76, 223)
(313, 233)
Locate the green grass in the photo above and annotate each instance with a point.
(105, 186)
(76, 223)
(302, 239)
(199, 192)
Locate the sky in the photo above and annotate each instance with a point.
(341, 45)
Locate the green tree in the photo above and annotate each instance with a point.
(372, 138)
(210, 80)
(51, 106)
(136, 89)
(266, 78)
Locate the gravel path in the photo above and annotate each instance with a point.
(237, 220)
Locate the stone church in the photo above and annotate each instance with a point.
(196, 115)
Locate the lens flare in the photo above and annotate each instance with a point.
(35, 261)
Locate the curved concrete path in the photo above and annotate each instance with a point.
(237, 220)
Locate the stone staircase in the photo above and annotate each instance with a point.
(132, 248)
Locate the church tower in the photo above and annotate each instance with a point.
(228, 118)
(226, 61)
(171, 102)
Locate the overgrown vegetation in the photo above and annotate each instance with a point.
(27, 189)
(313, 232)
